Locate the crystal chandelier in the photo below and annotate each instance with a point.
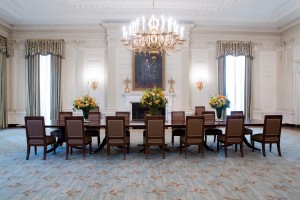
(158, 36)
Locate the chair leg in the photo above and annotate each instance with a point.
(252, 141)
(124, 151)
(90, 148)
(172, 140)
(235, 148)
(185, 150)
(98, 140)
(270, 146)
(225, 148)
(218, 143)
(205, 138)
(28, 152)
(163, 150)
(242, 149)
(180, 146)
(263, 148)
(199, 148)
(146, 151)
(214, 138)
(202, 150)
(108, 150)
(67, 152)
(45, 152)
(35, 149)
(84, 151)
(278, 148)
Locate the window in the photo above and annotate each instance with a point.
(45, 86)
(235, 82)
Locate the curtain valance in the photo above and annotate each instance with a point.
(44, 47)
(234, 48)
(3, 45)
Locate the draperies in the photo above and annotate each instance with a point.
(34, 48)
(3, 82)
(44, 47)
(235, 48)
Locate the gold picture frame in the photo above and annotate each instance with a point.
(147, 74)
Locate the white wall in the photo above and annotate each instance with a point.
(275, 80)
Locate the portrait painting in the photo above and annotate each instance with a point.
(146, 73)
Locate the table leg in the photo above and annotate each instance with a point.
(247, 143)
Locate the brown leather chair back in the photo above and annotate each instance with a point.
(178, 117)
(35, 130)
(199, 110)
(234, 128)
(125, 114)
(272, 128)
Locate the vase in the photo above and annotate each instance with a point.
(219, 113)
(153, 111)
(85, 114)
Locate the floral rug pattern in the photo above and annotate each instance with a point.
(99, 177)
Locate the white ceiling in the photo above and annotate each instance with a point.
(271, 14)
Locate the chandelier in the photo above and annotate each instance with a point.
(158, 36)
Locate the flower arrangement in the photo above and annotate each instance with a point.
(84, 103)
(219, 102)
(154, 98)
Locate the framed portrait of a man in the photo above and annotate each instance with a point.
(146, 73)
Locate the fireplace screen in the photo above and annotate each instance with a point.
(138, 112)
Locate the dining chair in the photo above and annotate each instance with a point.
(209, 118)
(233, 133)
(36, 134)
(247, 131)
(194, 134)
(116, 133)
(60, 133)
(96, 109)
(127, 119)
(177, 117)
(271, 133)
(75, 135)
(199, 110)
(155, 133)
(94, 132)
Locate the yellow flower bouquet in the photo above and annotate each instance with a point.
(220, 103)
(154, 98)
(84, 103)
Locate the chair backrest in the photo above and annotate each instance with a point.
(234, 128)
(74, 127)
(35, 128)
(178, 117)
(125, 114)
(272, 127)
(115, 127)
(236, 113)
(155, 127)
(97, 109)
(209, 116)
(94, 116)
(62, 116)
(199, 110)
(194, 127)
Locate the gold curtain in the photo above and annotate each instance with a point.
(234, 48)
(44, 47)
(3, 45)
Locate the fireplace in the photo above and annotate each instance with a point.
(138, 112)
(132, 101)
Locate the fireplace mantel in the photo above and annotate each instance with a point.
(135, 97)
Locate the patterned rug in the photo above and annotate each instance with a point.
(99, 177)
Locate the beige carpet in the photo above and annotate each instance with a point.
(214, 177)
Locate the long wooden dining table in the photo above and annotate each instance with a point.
(141, 125)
